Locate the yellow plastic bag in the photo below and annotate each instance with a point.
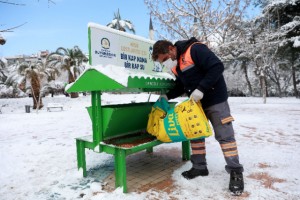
(184, 122)
(155, 124)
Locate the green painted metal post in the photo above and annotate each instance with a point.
(96, 117)
(81, 156)
(186, 150)
(149, 150)
(90, 46)
(120, 169)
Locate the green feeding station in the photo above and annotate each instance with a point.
(120, 62)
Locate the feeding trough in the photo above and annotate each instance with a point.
(121, 63)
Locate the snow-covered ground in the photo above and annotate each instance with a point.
(38, 152)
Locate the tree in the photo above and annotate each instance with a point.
(120, 24)
(239, 49)
(27, 76)
(291, 62)
(3, 77)
(262, 61)
(21, 4)
(69, 60)
(261, 3)
(52, 86)
(208, 21)
(271, 46)
(283, 19)
(287, 18)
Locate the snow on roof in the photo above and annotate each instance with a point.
(91, 24)
(121, 74)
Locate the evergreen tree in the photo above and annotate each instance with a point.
(284, 18)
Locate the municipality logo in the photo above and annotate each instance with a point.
(105, 43)
(104, 52)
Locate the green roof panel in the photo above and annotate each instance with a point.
(93, 80)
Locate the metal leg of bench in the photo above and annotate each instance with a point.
(120, 169)
(186, 150)
(81, 156)
(149, 150)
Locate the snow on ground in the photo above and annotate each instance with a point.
(38, 152)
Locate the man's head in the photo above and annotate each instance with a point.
(163, 50)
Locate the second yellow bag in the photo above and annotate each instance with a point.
(185, 121)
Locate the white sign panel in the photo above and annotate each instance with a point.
(108, 46)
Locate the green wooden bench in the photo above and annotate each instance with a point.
(118, 129)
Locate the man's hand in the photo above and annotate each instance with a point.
(197, 95)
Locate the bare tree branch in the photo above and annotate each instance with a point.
(12, 3)
(208, 21)
(49, 1)
(22, 4)
(10, 29)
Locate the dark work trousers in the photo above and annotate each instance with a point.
(221, 120)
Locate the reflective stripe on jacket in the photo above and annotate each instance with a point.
(185, 61)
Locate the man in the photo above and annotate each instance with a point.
(199, 73)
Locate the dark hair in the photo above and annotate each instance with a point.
(160, 47)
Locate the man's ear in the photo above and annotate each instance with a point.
(171, 48)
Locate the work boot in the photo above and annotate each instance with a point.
(193, 173)
(236, 183)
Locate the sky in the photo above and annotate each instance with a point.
(63, 24)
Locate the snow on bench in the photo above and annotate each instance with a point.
(54, 105)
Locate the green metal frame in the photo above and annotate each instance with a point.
(106, 120)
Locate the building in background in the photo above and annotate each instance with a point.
(40, 56)
(151, 31)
